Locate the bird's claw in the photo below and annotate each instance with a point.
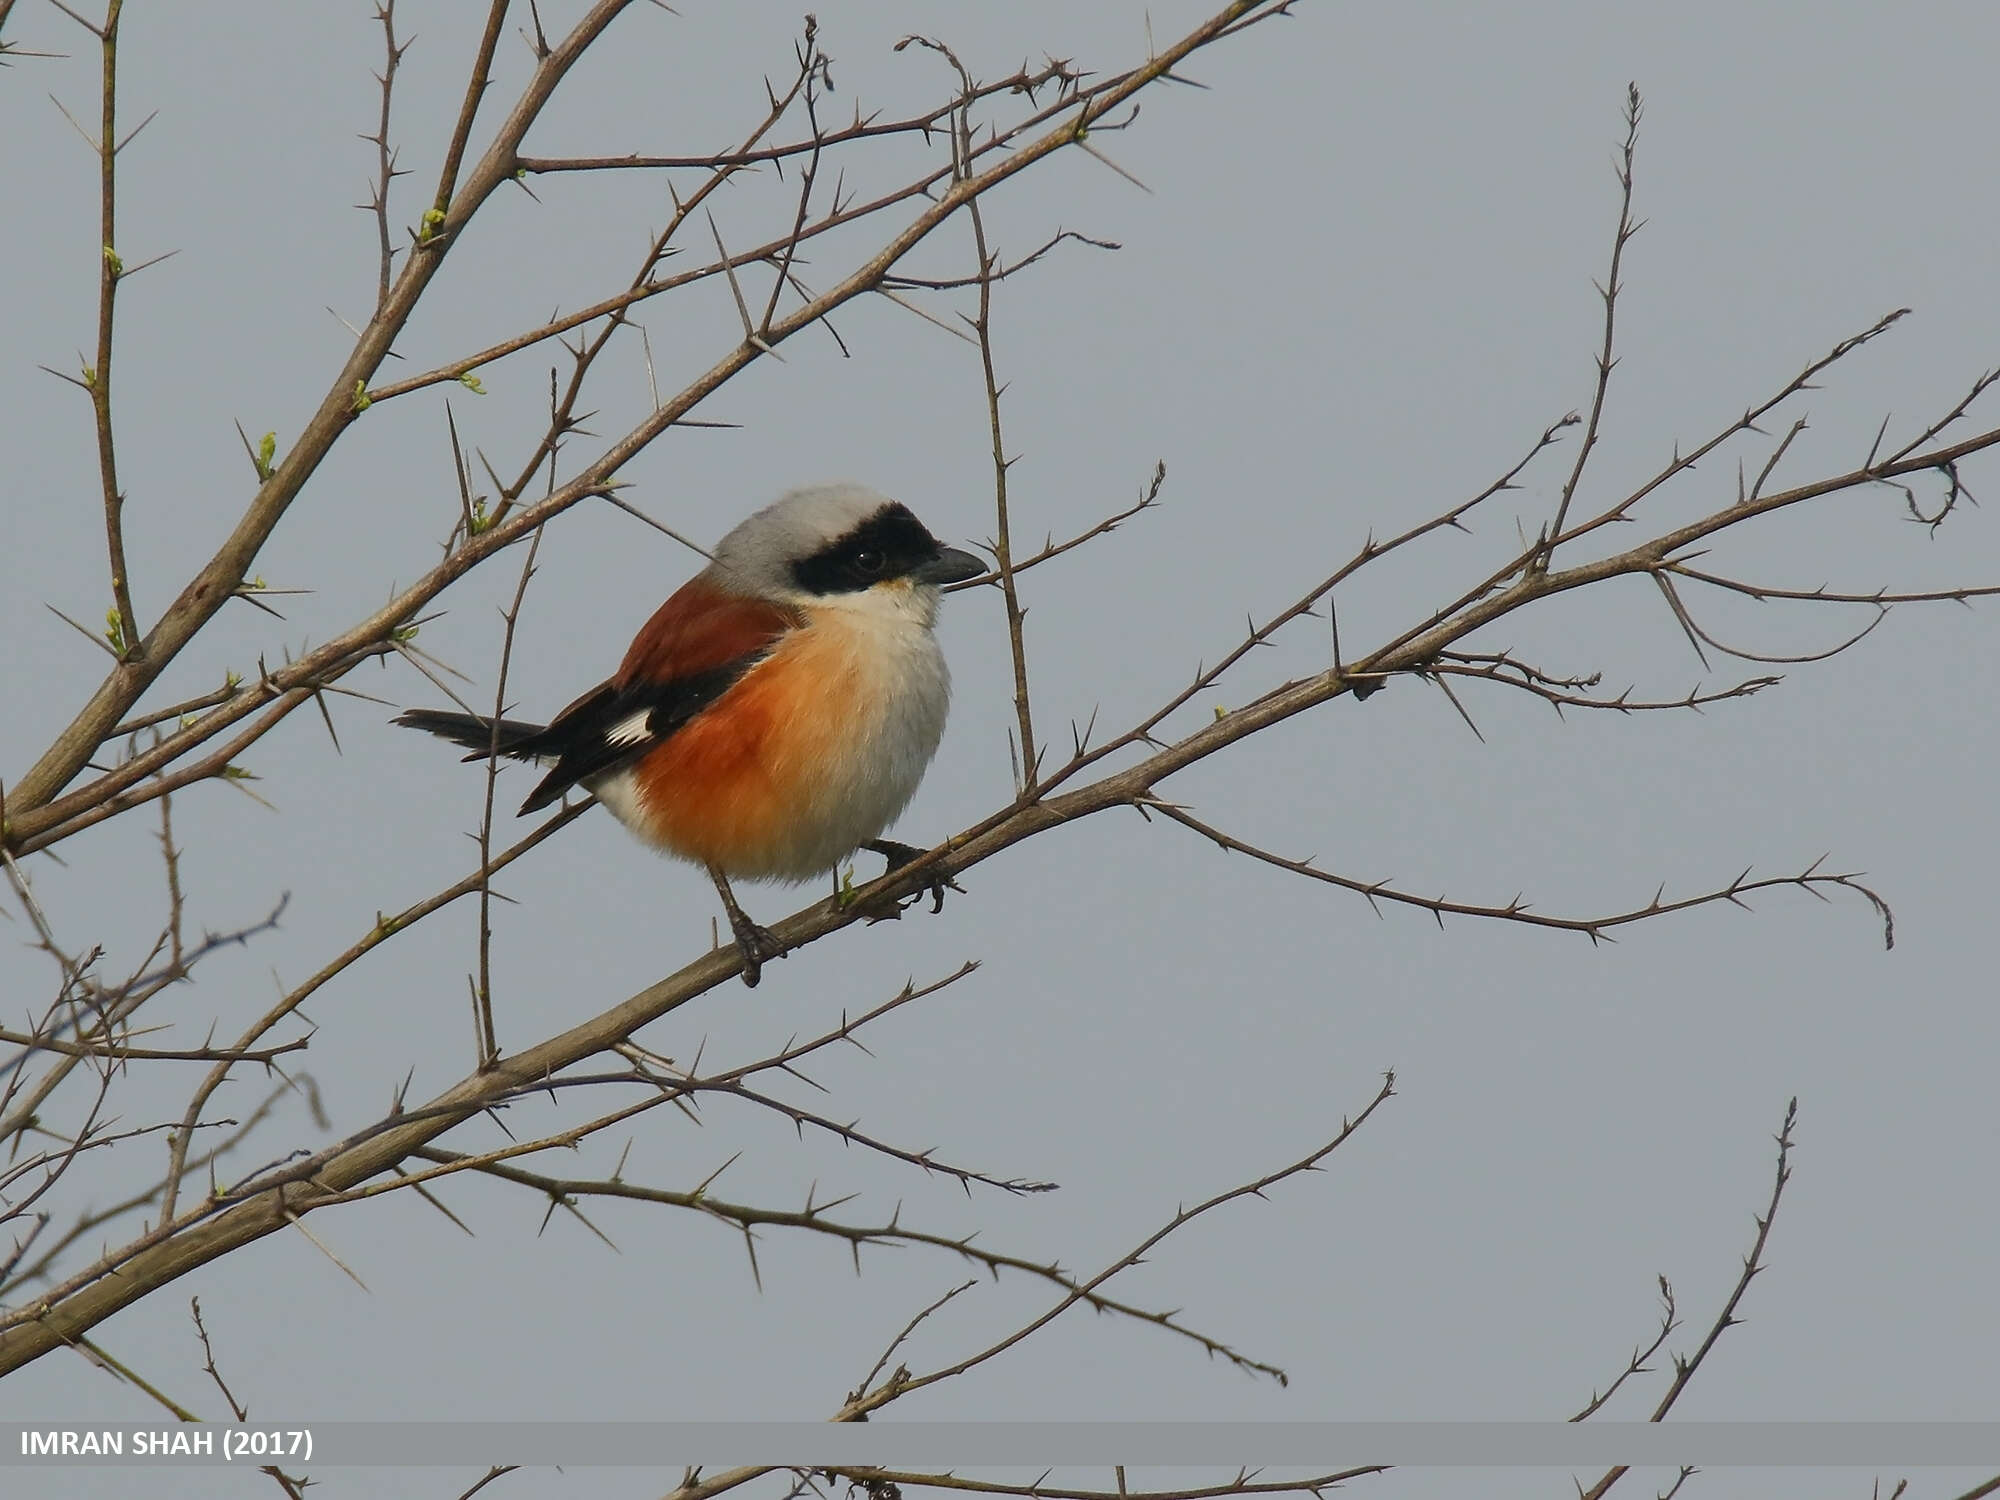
(895, 855)
(756, 944)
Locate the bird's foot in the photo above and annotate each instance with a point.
(895, 856)
(756, 944)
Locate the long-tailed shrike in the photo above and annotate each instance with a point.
(775, 714)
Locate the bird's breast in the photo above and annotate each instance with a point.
(814, 752)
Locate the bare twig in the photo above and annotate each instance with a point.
(124, 624)
(870, 1479)
(1563, 692)
(1003, 550)
(882, 1395)
(475, 90)
(1637, 1364)
(1597, 929)
(1148, 498)
(1609, 291)
(208, 1358)
(1686, 1366)
(1880, 598)
(386, 171)
(482, 993)
(813, 1218)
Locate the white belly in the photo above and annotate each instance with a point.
(882, 752)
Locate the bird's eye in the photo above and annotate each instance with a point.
(869, 563)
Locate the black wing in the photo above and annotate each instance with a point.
(616, 724)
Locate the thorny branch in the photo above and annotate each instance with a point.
(889, 1484)
(1568, 692)
(1686, 1365)
(895, 1389)
(1637, 1364)
(871, 1479)
(482, 986)
(1597, 929)
(1003, 547)
(386, 171)
(1148, 498)
(564, 1193)
(1609, 291)
(124, 625)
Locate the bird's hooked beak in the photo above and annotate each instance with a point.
(949, 566)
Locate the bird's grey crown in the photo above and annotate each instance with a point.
(757, 556)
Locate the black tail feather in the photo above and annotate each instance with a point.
(475, 733)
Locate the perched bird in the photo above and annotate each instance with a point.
(775, 714)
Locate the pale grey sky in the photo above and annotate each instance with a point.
(1360, 285)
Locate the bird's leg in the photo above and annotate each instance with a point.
(897, 855)
(755, 943)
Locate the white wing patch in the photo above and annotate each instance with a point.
(631, 730)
